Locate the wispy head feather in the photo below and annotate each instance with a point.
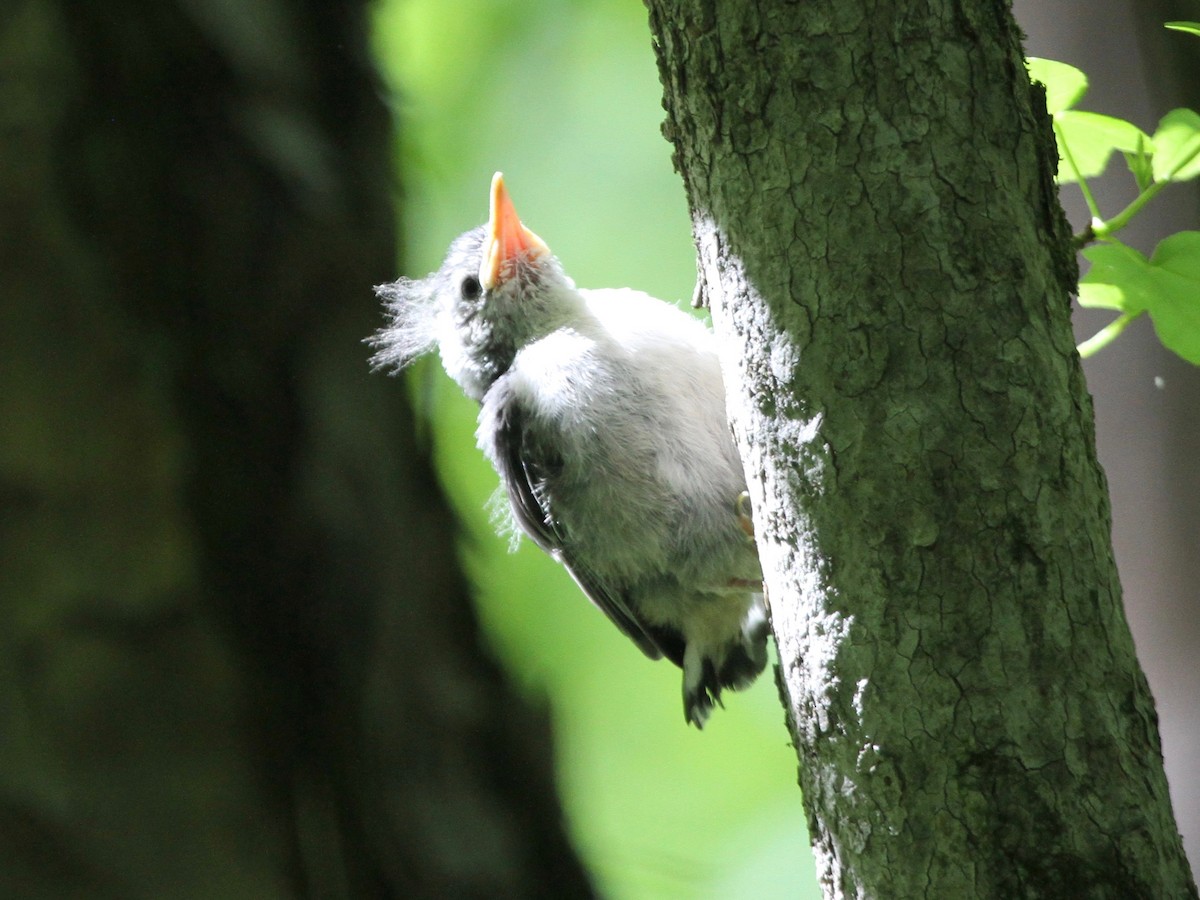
(411, 331)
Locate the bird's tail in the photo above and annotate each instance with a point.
(733, 665)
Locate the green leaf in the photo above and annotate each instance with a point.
(1092, 138)
(1177, 146)
(1176, 311)
(1140, 165)
(1101, 296)
(1189, 27)
(1180, 255)
(1065, 85)
(1167, 286)
(1119, 278)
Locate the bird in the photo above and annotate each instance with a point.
(603, 413)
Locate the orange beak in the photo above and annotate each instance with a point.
(507, 239)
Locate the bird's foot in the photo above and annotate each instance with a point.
(741, 506)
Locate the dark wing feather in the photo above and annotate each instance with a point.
(525, 471)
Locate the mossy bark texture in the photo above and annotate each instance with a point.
(889, 270)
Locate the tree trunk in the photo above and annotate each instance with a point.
(889, 272)
(237, 658)
(1147, 398)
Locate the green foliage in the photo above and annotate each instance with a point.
(1167, 285)
(1188, 27)
(564, 98)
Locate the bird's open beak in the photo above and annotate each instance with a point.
(507, 239)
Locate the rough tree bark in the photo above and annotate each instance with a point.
(889, 270)
(237, 658)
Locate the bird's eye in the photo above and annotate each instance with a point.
(470, 288)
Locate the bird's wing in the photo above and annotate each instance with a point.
(525, 469)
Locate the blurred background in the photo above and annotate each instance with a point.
(258, 637)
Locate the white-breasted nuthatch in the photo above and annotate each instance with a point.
(603, 411)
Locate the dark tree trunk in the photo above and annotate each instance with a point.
(889, 271)
(237, 658)
(1147, 399)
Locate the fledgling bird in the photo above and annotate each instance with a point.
(603, 411)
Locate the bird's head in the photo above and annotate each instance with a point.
(498, 288)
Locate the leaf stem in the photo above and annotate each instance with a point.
(1121, 219)
(1106, 335)
(1093, 208)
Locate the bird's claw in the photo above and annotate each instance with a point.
(741, 506)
